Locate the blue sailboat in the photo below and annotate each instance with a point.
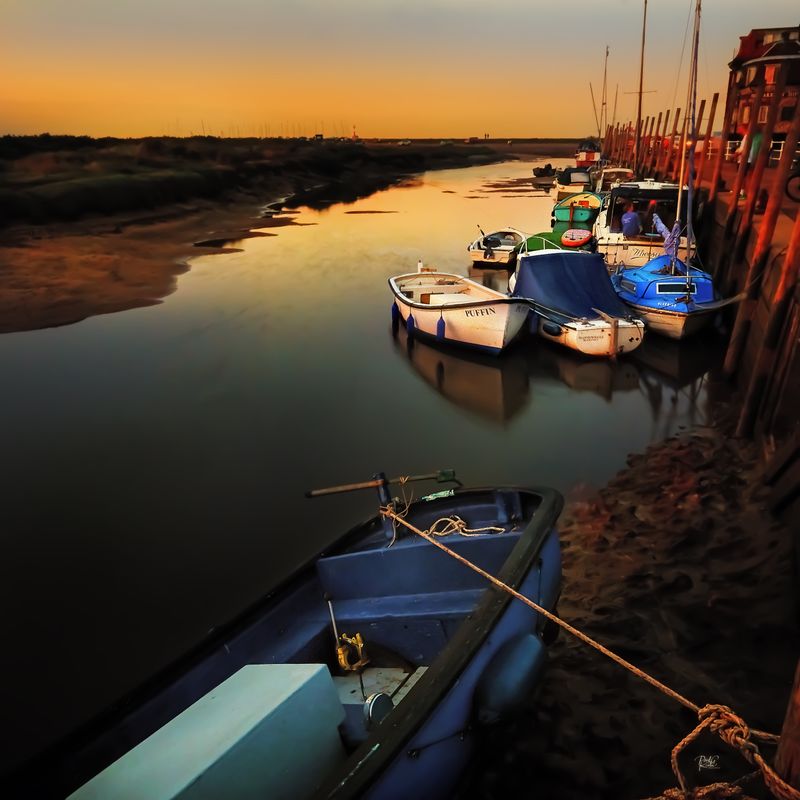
(369, 673)
(673, 297)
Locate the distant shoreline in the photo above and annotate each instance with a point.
(62, 260)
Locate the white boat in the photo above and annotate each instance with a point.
(646, 197)
(571, 181)
(610, 176)
(497, 248)
(575, 303)
(451, 308)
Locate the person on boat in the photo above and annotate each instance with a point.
(631, 223)
(672, 238)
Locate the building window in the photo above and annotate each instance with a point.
(787, 113)
(751, 74)
(745, 115)
(770, 73)
(762, 114)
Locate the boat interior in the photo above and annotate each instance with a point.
(500, 239)
(436, 289)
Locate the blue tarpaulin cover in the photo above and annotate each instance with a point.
(572, 282)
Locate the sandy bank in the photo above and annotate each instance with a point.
(677, 566)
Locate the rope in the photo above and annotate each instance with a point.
(718, 719)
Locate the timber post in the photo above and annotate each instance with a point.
(659, 157)
(761, 161)
(648, 142)
(706, 141)
(656, 141)
(787, 759)
(723, 142)
(671, 145)
(758, 260)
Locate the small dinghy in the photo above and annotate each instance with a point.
(451, 308)
(673, 299)
(367, 674)
(575, 302)
(580, 207)
(496, 249)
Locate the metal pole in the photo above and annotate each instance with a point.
(641, 85)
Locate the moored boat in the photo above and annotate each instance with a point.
(611, 176)
(673, 299)
(496, 248)
(588, 153)
(451, 308)
(571, 181)
(367, 674)
(575, 303)
(634, 249)
(580, 207)
(544, 177)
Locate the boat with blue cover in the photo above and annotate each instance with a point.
(575, 302)
(369, 673)
(672, 298)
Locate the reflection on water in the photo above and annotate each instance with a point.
(155, 460)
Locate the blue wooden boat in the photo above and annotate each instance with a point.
(386, 657)
(672, 298)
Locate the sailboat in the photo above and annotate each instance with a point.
(673, 297)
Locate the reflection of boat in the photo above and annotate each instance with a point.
(575, 302)
(494, 388)
(284, 703)
(645, 197)
(681, 363)
(673, 299)
(496, 248)
(571, 181)
(603, 377)
(452, 308)
(580, 207)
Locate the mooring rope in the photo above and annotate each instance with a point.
(718, 719)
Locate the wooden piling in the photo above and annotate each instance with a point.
(770, 344)
(762, 158)
(655, 151)
(758, 262)
(648, 141)
(665, 167)
(730, 103)
(787, 759)
(660, 156)
(691, 139)
(745, 149)
(706, 141)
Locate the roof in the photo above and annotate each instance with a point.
(753, 45)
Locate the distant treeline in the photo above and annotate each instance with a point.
(49, 178)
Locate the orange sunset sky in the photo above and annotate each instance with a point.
(392, 68)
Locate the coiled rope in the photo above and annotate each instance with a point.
(718, 719)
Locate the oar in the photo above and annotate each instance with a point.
(440, 476)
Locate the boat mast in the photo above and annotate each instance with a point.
(639, 104)
(604, 102)
(690, 130)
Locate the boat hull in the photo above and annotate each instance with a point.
(621, 253)
(489, 326)
(493, 258)
(674, 324)
(593, 337)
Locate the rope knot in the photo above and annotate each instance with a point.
(730, 727)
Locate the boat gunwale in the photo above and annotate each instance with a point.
(501, 299)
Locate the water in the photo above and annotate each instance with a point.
(155, 460)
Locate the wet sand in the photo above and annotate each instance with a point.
(677, 566)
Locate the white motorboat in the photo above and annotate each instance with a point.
(451, 308)
(497, 248)
(645, 198)
(572, 180)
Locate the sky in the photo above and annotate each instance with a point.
(391, 68)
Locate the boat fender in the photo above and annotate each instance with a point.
(551, 329)
(395, 313)
(509, 678)
(576, 237)
(441, 327)
(410, 325)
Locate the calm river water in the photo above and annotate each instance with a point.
(155, 460)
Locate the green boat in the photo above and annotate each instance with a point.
(580, 207)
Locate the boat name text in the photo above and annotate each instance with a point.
(479, 312)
